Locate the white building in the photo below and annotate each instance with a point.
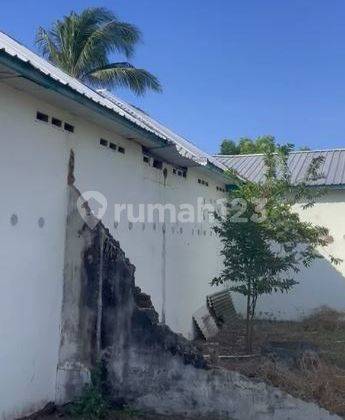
(124, 155)
(127, 157)
(323, 283)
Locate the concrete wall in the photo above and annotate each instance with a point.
(175, 270)
(33, 169)
(145, 364)
(323, 283)
(177, 289)
(174, 267)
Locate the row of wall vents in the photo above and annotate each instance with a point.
(158, 164)
(40, 116)
(202, 182)
(112, 146)
(150, 161)
(155, 163)
(221, 189)
(180, 172)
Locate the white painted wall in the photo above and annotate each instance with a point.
(321, 284)
(33, 185)
(191, 258)
(33, 168)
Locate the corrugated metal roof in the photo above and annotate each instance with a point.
(251, 167)
(107, 100)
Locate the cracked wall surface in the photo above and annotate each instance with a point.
(106, 317)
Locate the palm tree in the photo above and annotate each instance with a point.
(80, 44)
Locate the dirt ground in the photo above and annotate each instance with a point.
(117, 415)
(305, 359)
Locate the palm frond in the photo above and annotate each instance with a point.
(80, 44)
(109, 37)
(124, 75)
(46, 44)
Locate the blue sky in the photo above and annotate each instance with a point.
(229, 68)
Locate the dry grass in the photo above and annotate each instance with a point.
(318, 377)
(324, 384)
(325, 318)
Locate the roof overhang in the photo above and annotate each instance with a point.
(24, 76)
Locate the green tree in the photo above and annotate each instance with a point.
(246, 145)
(81, 44)
(229, 147)
(265, 243)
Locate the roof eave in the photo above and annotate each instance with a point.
(31, 73)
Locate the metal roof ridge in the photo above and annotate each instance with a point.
(337, 149)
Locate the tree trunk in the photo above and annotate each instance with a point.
(248, 326)
(251, 321)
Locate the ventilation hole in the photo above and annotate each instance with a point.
(103, 142)
(56, 122)
(192, 231)
(130, 225)
(69, 127)
(163, 228)
(179, 173)
(158, 164)
(199, 181)
(174, 171)
(154, 226)
(181, 230)
(146, 159)
(198, 231)
(112, 146)
(42, 117)
(14, 219)
(121, 150)
(205, 232)
(184, 174)
(116, 225)
(41, 222)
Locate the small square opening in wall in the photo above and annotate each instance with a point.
(146, 159)
(158, 164)
(42, 117)
(56, 122)
(121, 149)
(112, 146)
(174, 171)
(68, 127)
(103, 142)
